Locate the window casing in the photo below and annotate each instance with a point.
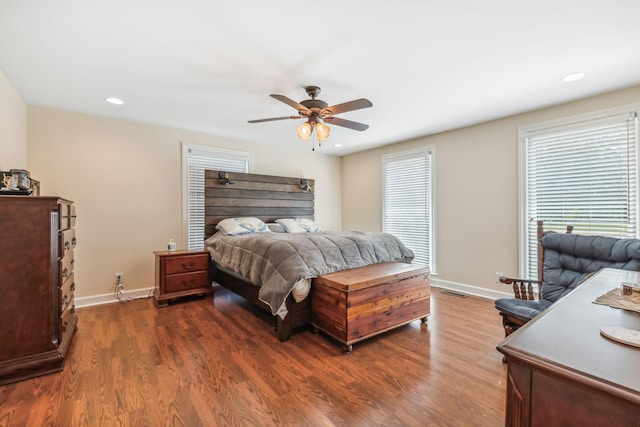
(408, 201)
(195, 160)
(580, 172)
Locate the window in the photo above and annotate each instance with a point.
(195, 160)
(407, 204)
(581, 173)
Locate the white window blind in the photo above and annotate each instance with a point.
(407, 202)
(582, 174)
(196, 159)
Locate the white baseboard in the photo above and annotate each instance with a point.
(469, 289)
(110, 298)
(436, 283)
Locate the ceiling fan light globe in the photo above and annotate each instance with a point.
(322, 131)
(304, 131)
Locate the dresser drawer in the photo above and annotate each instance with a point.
(186, 263)
(67, 241)
(66, 215)
(186, 281)
(66, 318)
(66, 293)
(66, 267)
(72, 216)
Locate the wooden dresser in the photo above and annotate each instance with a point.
(181, 273)
(38, 319)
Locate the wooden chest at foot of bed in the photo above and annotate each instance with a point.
(356, 304)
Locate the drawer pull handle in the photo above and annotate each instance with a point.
(74, 241)
(65, 325)
(65, 301)
(67, 245)
(72, 261)
(187, 266)
(185, 284)
(65, 272)
(73, 286)
(73, 309)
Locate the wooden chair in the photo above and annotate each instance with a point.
(523, 290)
(565, 260)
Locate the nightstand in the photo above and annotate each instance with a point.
(181, 273)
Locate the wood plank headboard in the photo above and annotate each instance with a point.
(264, 196)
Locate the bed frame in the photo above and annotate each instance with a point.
(233, 194)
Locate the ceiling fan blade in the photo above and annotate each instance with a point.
(291, 103)
(346, 123)
(274, 118)
(356, 104)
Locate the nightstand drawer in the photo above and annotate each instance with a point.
(186, 264)
(186, 281)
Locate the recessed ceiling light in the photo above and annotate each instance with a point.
(116, 101)
(573, 77)
(337, 145)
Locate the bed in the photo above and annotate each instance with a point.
(274, 270)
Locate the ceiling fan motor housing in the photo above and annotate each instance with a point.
(312, 104)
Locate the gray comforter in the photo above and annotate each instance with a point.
(276, 261)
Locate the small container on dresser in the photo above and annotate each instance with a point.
(38, 319)
(181, 273)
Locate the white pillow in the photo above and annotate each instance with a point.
(298, 225)
(241, 225)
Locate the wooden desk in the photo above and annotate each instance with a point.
(562, 372)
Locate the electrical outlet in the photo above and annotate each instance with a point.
(119, 278)
(498, 275)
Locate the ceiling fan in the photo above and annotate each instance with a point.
(318, 112)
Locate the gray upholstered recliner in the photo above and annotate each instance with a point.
(565, 260)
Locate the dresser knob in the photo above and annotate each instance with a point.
(187, 266)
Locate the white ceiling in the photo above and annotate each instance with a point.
(209, 66)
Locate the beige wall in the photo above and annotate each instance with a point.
(476, 191)
(125, 178)
(13, 127)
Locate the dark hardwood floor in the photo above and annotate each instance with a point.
(198, 364)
